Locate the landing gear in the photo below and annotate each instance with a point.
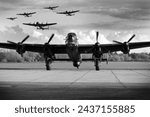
(97, 64)
(48, 55)
(48, 61)
(48, 67)
(97, 59)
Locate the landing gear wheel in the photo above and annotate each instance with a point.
(48, 62)
(97, 68)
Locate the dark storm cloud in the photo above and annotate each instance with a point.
(15, 4)
(127, 9)
(6, 5)
(117, 26)
(3, 8)
(114, 25)
(10, 1)
(129, 14)
(119, 10)
(111, 25)
(136, 10)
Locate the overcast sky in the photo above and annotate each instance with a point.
(114, 19)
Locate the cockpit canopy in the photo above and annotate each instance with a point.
(71, 39)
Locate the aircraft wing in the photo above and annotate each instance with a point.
(55, 7)
(58, 49)
(11, 18)
(61, 13)
(47, 24)
(46, 8)
(32, 13)
(20, 14)
(51, 7)
(112, 47)
(68, 12)
(74, 11)
(29, 24)
(61, 49)
(8, 46)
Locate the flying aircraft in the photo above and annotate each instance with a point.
(27, 14)
(41, 26)
(74, 49)
(68, 13)
(12, 18)
(51, 8)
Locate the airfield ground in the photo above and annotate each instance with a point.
(117, 80)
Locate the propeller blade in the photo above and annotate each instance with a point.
(11, 42)
(50, 38)
(97, 34)
(117, 42)
(25, 39)
(131, 38)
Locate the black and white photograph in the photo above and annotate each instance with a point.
(74, 49)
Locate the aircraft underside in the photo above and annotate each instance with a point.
(74, 54)
(76, 61)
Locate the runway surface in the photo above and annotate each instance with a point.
(32, 81)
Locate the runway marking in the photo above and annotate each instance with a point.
(140, 73)
(79, 77)
(118, 79)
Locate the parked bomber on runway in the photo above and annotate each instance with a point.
(41, 26)
(27, 14)
(74, 49)
(51, 7)
(68, 13)
(12, 18)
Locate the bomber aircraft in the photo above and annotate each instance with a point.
(27, 14)
(74, 49)
(68, 13)
(12, 18)
(51, 7)
(41, 26)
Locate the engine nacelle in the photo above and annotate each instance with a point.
(126, 48)
(48, 52)
(97, 52)
(20, 49)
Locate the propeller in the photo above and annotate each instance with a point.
(125, 41)
(24, 39)
(11, 42)
(47, 48)
(96, 44)
(19, 42)
(131, 38)
(50, 38)
(97, 34)
(19, 46)
(125, 45)
(117, 42)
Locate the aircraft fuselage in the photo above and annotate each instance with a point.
(72, 49)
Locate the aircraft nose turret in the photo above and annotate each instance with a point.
(71, 39)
